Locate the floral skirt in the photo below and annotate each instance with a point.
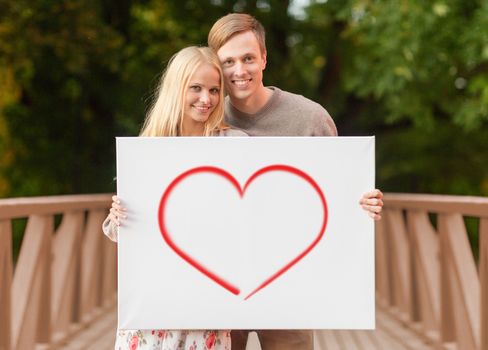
(172, 340)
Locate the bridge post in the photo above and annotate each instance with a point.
(483, 273)
(6, 272)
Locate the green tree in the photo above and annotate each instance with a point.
(413, 73)
(75, 74)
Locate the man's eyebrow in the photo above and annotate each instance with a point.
(242, 55)
(248, 54)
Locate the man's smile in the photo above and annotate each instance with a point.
(241, 82)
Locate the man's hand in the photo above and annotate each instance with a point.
(372, 203)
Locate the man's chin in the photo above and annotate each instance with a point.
(240, 95)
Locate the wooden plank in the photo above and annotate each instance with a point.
(390, 334)
(427, 269)
(464, 281)
(417, 329)
(66, 260)
(328, 340)
(383, 281)
(109, 273)
(91, 259)
(483, 273)
(316, 344)
(401, 334)
(348, 340)
(386, 341)
(400, 260)
(27, 286)
(367, 339)
(26, 206)
(6, 272)
(98, 335)
(44, 329)
(465, 205)
(253, 342)
(447, 326)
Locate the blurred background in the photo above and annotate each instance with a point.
(76, 73)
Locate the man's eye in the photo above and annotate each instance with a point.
(227, 63)
(247, 59)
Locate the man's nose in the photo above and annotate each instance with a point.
(239, 69)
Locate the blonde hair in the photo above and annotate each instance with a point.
(232, 24)
(165, 117)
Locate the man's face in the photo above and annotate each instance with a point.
(243, 64)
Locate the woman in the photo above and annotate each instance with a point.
(190, 102)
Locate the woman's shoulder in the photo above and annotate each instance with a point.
(232, 132)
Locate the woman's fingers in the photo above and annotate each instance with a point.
(114, 219)
(118, 206)
(117, 212)
(116, 203)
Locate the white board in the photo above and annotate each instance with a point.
(245, 233)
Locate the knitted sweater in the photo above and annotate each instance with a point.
(285, 114)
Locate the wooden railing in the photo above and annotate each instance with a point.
(426, 274)
(64, 278)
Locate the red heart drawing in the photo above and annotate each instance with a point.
(241, 190)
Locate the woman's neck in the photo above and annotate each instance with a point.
(192, 129)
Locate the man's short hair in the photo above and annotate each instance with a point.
(235, 23)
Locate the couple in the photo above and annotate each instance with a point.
(190, 102)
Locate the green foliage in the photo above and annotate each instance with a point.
(66, 62)
(413, 73)
(76, 73)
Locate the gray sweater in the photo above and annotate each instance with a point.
(285, 114)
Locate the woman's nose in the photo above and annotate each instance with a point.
(204, 96)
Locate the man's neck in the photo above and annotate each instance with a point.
(253, 103)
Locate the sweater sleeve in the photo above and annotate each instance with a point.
(330, 124)
(324, 124)
(235, 132)
(110, 230)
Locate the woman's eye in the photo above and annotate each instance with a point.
(195, 88)
(214, 90)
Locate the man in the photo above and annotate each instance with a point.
(239, 40)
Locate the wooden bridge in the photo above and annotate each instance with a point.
(432, 293)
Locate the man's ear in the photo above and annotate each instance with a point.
(264, 60)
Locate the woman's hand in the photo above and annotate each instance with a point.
(372, 203)
(117, 212)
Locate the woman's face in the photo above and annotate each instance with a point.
(203, 94)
